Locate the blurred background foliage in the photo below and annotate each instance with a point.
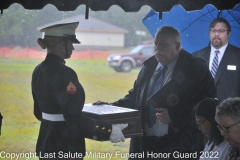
(18, 25)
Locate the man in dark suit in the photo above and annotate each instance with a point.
(225, 64)
(171, 131)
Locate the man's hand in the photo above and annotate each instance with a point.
(100, 103)
(162, 114)
(117, 135)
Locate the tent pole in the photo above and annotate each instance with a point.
(160, 15)
(219, 13)
(87, 11)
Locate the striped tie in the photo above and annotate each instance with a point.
(215, 64)
(155, 84)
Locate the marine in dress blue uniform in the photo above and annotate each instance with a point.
(59, 98)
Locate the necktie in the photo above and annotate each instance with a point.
(156, 83)
(215, 64)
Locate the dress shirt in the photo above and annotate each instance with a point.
(220, 55)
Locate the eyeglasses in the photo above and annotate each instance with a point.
(200, 123)
(220, 31)
(226, 129)
(163, 45)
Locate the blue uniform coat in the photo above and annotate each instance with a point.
(56, 90)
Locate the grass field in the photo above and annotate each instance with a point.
(20, 127)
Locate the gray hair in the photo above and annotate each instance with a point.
(171, 32)
(229, 107)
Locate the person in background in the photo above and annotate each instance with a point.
(216, 146)
(59, 99)
(169, 131)
(228, 118)
(223, 59)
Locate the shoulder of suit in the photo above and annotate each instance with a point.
(192, 59)
(201, 51)
(233, 51)
(150, 61)
(233, 47)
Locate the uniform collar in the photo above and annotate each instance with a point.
(53, 57)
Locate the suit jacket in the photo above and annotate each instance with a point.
(227, 80)
(193, 74)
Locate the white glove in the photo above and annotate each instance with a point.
(117, 135)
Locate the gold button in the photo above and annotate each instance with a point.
(103, 128)
(97, 126)
(109, 130)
